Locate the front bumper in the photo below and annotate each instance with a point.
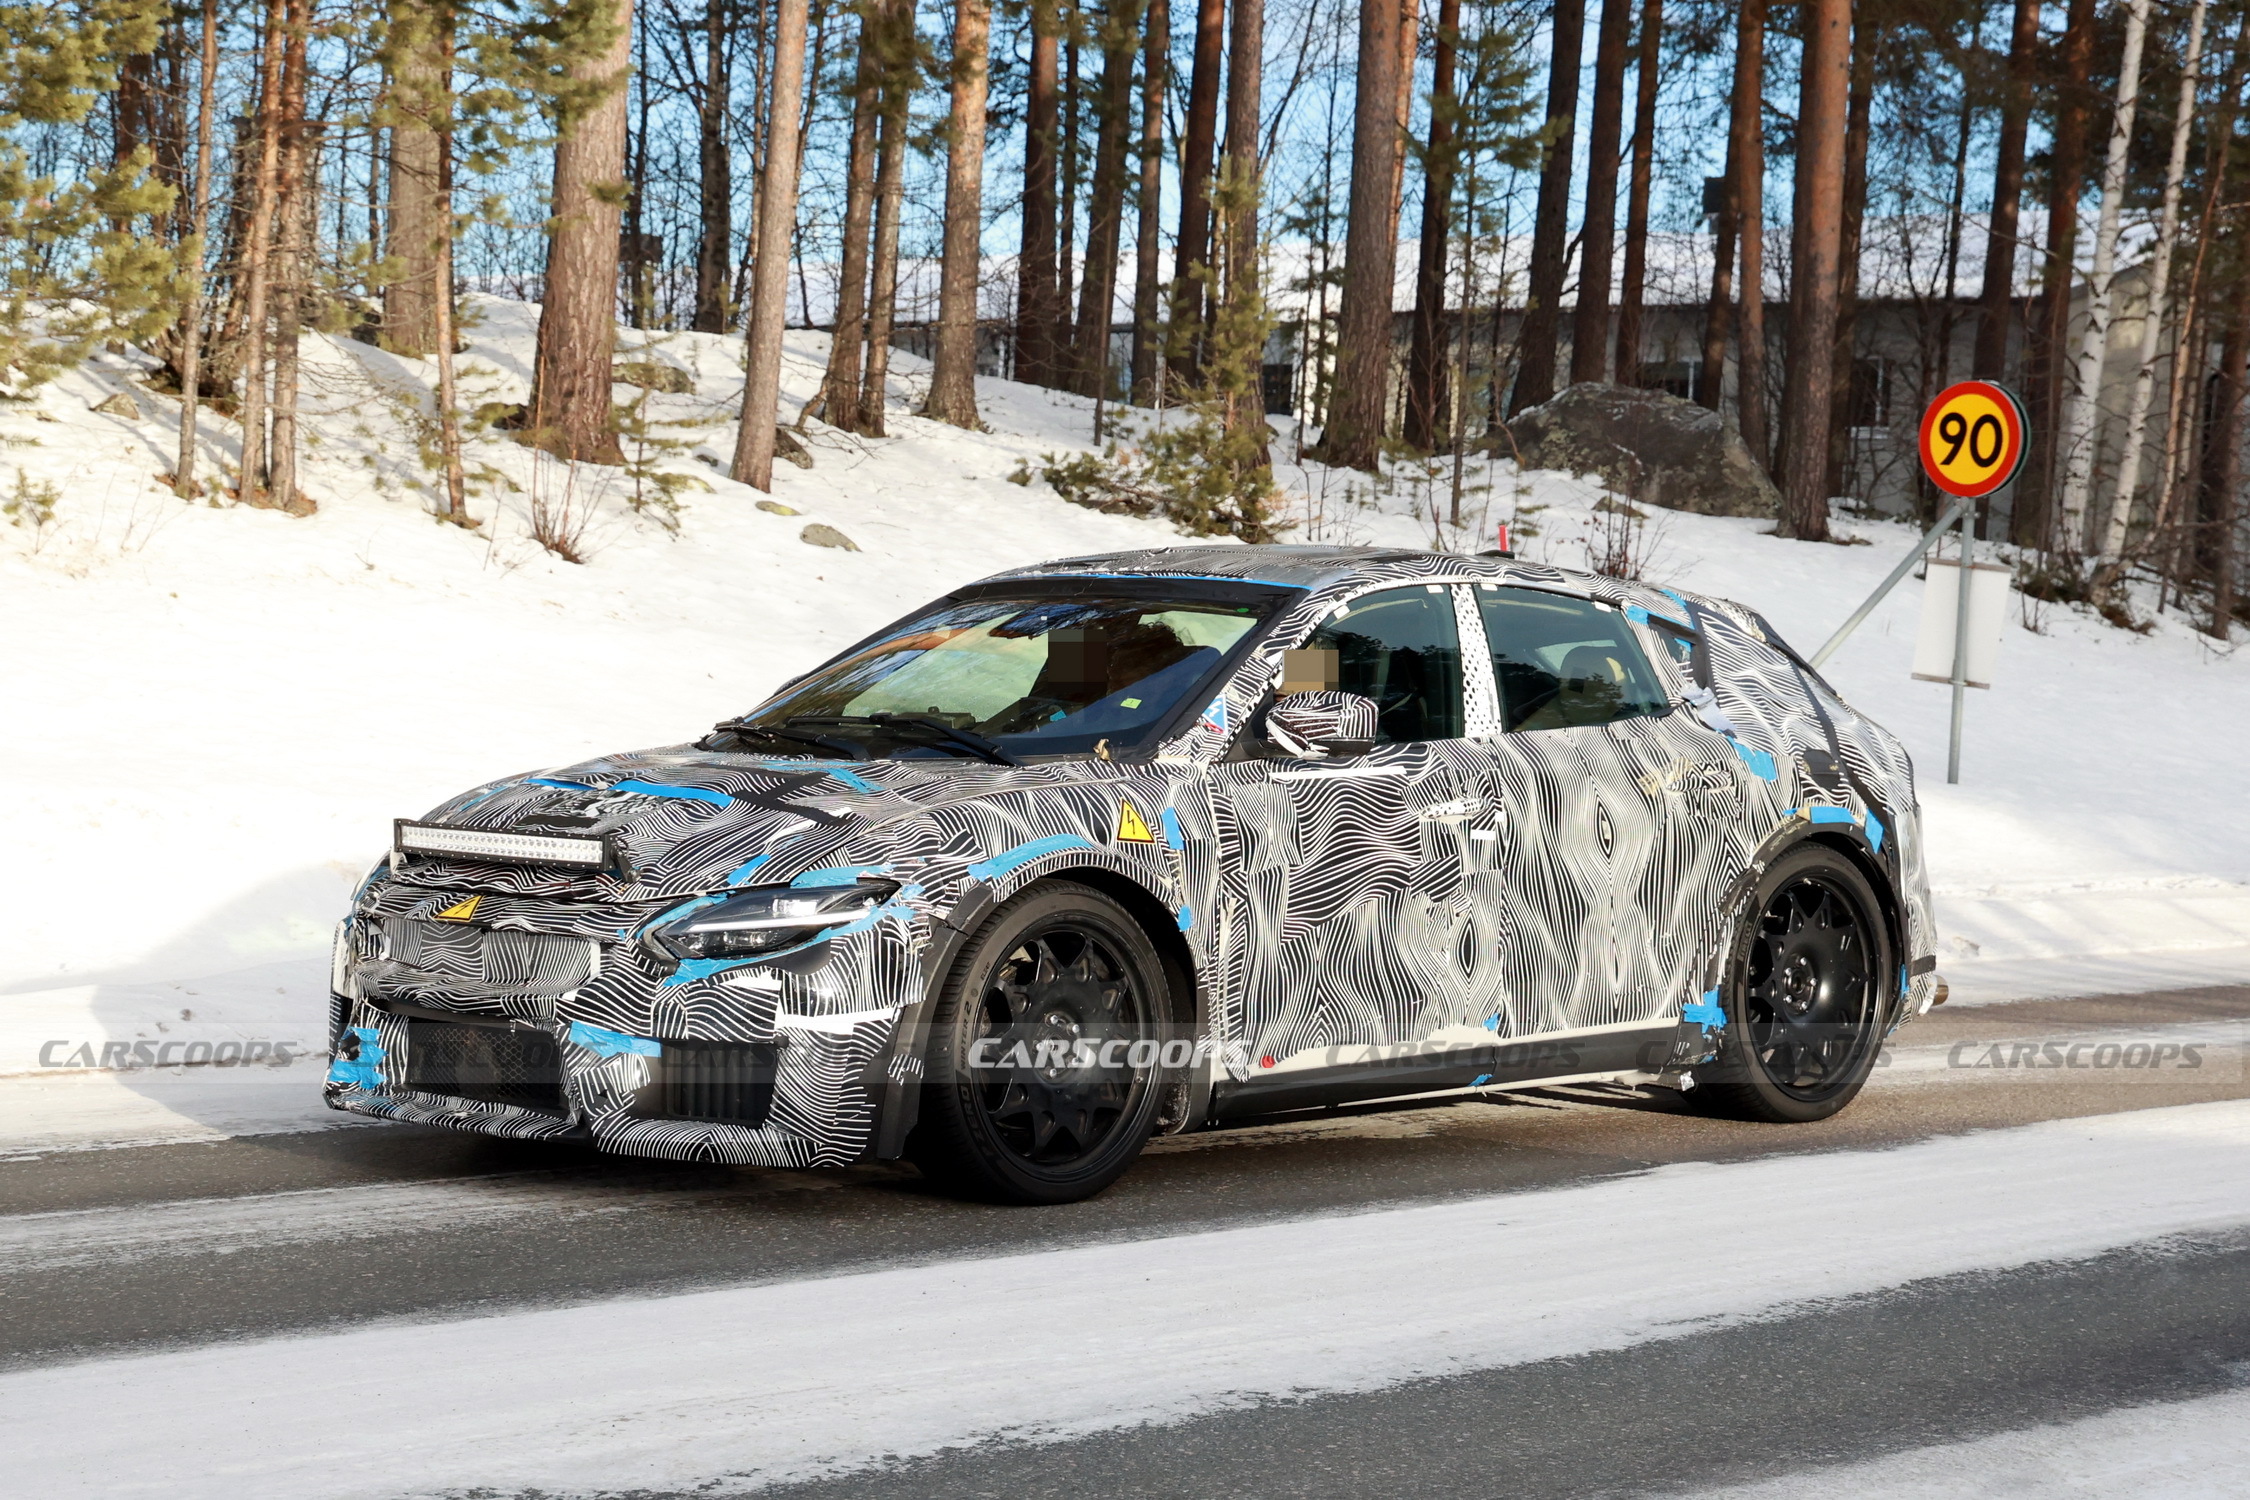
(807, 1098)
(784, 1064)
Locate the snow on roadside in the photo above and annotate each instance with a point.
(215, 712)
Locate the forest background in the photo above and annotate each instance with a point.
(1399, 210)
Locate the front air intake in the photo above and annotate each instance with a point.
(727, 1082)
(513, 1065)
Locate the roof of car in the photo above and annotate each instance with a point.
(1306, 567)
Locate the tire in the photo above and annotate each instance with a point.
(1804, 994)
(1060, 964)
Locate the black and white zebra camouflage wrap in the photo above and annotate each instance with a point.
(1445, 914)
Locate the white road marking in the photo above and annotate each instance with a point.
(2182, 1450)
(754, 1384)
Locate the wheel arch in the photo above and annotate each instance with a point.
(1853, 845)
(902, 1091)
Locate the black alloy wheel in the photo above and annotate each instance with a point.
(1805, 995)
(1045, 1066)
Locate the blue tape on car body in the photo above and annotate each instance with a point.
(603, 1042)
(1024, 854)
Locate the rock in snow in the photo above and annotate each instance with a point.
(653, 375)
(1648, 445)
(827, 536)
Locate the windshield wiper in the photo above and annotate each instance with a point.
(935, 733)
(749, 729)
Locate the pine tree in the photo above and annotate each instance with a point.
(1354, 437)
(570, 392)
(769, 279)
(953, 374)
(1542, 315)
(74, 273)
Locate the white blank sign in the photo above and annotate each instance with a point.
(1941, 601)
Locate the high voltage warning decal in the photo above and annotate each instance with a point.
(1132, 828)
(460, 911)
(1973, 438)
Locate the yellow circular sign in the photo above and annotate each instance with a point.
(1973, 438)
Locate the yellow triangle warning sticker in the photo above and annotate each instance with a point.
(460, 911)
(1132, 828)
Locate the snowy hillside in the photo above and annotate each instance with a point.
(213, 713)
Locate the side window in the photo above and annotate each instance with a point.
(1400, 648)
(1681, 648)
(1561, 663)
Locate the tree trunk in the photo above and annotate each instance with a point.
(1718, 313)
(769, 278)
(2007, 192)
(1198, 151)
(570, 389)
(2159, 286)
(1064, 327)
(1867, 36)
(448, 391)
(1597, 239)
(1426, 356)
(2189, 369)
(1354, 438)
(2031, 520)
(295, 203)
(820, 11)
(1035, 266)
(839, 388)
(1106, 223)
(191, 314)
(2219, 504)
(2093, 351)
(953, 374)
(257, 256)
(1630, 297)
(634, 252)
(714, 177)
(894, 40)
(1148, 287)
(1747, 191)
(1409, 48)
(417, 89)
(1245, 404)
(1823, 102)
(1550, 231)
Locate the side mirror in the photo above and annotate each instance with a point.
(1322, 725)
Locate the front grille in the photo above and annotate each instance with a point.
(725, 1081)
(457, 958)
(494, 1064)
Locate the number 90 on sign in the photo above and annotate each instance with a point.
(1973, 438)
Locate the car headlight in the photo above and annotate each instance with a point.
(765, 921)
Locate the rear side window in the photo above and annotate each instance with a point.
(1563, 663)
(1401, 648)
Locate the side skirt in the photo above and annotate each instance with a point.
(1554, 1058)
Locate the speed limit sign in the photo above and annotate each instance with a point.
(1973, 438)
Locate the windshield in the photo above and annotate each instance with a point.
(1034, 677)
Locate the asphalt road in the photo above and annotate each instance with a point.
(119, 1252)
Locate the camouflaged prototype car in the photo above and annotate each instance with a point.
(1148, 842)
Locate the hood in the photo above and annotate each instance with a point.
(685, 820)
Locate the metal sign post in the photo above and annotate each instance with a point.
(1961, 646)
(1973, 441)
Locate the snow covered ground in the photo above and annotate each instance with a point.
(213, 713)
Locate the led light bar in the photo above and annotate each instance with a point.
(502, 848)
